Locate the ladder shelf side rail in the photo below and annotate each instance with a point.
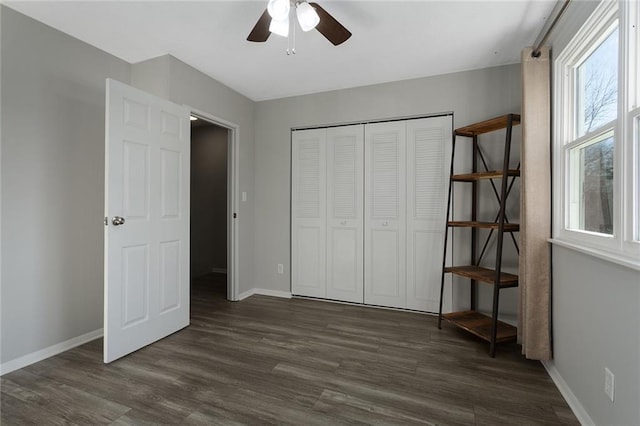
(446, 233)
(500, 240)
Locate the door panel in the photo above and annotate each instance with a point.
(170, 173)
(345, 213)
(136, 180)
(385, 224)
(344, 275)
(147, 184)
(310, 244)
(135, 272)
(423, 269)
(428, 154)
(170, 277)
(385, 265)
(308, 215)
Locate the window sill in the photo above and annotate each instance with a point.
(632, 263)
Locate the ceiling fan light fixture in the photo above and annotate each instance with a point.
(278, 9)
(307, 16)
(280, 27)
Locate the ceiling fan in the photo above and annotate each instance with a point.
(310, 15)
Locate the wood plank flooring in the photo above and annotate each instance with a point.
(275, 361)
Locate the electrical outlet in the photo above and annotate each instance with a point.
(280, 268)
(608, 383)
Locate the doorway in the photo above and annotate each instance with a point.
(212, 207)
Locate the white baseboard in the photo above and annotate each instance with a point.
(264, 292)
(508, 319)
(246, 294)
(219, 270)
(273, 293)
(575, 405)
(37, 356)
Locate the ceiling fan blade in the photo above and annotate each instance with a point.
(260, 32)
(333, 30)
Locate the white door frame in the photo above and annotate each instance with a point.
(233, 186)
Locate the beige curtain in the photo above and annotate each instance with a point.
(534, 322)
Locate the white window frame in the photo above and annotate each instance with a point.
(632, 116)
(623, 246)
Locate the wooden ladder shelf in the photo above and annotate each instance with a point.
(485, 326)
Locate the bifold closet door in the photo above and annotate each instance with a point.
(368, 212)
(428, 157)
(308, 213)
(385, 218)
(327, 213)
(345, 177)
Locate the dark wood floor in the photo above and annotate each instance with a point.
(303, 362)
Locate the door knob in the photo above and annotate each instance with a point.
(344, 222)
(117, 220)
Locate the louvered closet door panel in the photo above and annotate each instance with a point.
(428, 154)
(385, 224)
(308, 215)
(345, 213)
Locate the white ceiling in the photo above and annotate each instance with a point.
(392, 40)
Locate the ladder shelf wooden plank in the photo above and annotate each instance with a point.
(484, 275)
(474, 177)
(508, 227)
(487, 126)
(480, 325)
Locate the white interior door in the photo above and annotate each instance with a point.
(345, 152)
(147, 213)
(428, 156)
(308, 213)
(385, 219)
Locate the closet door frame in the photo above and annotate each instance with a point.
(404, 222)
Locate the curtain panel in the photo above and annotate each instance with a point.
(534, 321)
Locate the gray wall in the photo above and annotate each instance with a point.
(52, 176)
(596, 310)
(596, 324)
(208, 199)
(53, 91)
(472, 96)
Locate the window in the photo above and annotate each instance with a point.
(591, 191)
(597, 85)
(596, 136)
(591, 149)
